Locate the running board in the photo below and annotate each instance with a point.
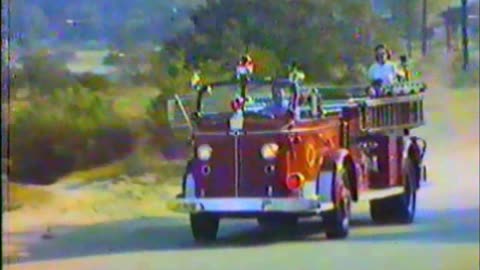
(380, 194)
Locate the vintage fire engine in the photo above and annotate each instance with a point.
(276, 150)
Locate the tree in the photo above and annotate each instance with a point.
(44, 74)
(318, 34)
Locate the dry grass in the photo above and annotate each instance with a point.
(92, 204)
(142, 161)
(132, 103)
(105, 172)
(92, 196)
(19, 196)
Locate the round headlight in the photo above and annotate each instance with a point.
(204, 152)
(269, 151)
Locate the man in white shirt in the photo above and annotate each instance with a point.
(383, 70)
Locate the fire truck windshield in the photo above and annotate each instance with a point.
(262, 98)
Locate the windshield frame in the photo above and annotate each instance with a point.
(285, 83)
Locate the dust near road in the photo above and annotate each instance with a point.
(445, 235)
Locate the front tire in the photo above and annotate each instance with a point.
(204, 227)
(337, 221)
(401, 208)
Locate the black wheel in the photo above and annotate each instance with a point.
(380, 210)
(278, 223)
(204, 227)
(337, 221)
(400, 208)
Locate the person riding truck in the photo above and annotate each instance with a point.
(195, 80)
(383, 70)
(245, 66)
(243, 74)
(295, 74)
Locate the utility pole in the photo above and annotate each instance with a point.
(408, 12)
(424, 28)
(465, 34)
(447, 21)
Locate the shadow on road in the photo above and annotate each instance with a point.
(164, 234)
(453, 226)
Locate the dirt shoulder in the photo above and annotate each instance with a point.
(68, 205)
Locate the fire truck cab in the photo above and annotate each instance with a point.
(275, 150)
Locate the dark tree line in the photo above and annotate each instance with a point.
(120, 22)
(332, 39)
(329, 38)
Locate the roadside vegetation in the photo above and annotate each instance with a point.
(470, 77)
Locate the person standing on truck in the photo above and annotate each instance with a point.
(195, 80)
(244, 67)
(405, 68)
(243, 73)
(383, 70)
(295, 74)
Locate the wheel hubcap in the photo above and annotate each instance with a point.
(411, 201)
(410, 197)
(345, 210)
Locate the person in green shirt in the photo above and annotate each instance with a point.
(195, 80)
(295, 74)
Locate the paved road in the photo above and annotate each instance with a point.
(445, 235)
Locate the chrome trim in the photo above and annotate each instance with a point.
(184, 112)
(237, 163)
(260, 205)
(309, 189)
(269, 191)
(325, 184)
(264, 132)
(394, 99)
(190, 186)
(213, 133)
(395, 127)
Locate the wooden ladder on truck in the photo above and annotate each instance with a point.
(392, 113)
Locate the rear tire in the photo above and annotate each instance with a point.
(400, 208)
(204, 227)
(337, 221)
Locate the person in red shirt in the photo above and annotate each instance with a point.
(245, 66)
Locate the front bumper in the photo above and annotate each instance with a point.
(248, 205)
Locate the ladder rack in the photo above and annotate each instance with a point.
(392, 113)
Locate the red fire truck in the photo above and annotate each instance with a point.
(276, 150)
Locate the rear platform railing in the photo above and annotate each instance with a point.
(391, 113)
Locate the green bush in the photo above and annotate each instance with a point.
(17, 78)
(466, 79)
(93, 82)
(113, 58)
(461, 78)
(72, 129)
(43, 73)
